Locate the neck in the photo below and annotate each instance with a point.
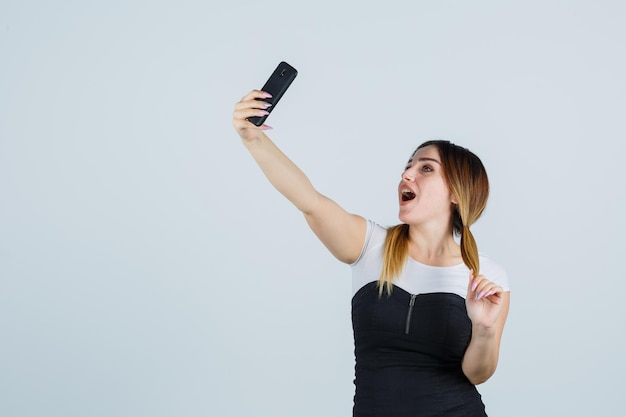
(433, 246)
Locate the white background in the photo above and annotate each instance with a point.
(147, 268)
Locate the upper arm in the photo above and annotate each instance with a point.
(341, 232)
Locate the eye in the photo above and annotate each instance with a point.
(427, 168)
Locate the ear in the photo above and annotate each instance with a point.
(453, 200)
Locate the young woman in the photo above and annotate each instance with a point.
(427, 312)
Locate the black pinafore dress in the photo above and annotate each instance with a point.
(408, 351)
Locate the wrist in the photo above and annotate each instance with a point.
(483, 332)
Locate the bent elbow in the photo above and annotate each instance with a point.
(477, 377)
(478, 380)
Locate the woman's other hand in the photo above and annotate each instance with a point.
(484, 301)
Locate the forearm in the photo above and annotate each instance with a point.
(481, 357)
(283, 174)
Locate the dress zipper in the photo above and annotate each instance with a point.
(408, 316)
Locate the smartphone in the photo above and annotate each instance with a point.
(276, 85)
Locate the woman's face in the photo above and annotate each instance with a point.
(423, 193)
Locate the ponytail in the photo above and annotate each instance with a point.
(395, 254)
(471, 199)
(469, 250)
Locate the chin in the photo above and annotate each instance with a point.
(403, 217)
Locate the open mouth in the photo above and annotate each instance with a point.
(407, 195)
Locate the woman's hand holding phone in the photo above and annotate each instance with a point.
(251, 105)
(254, 108)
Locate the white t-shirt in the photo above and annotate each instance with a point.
(416, 277)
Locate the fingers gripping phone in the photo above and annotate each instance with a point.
(276, 85)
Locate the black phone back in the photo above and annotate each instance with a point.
(276, 85)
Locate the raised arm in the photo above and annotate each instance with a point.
(341, 232)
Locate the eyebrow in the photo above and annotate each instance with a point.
(429, 159)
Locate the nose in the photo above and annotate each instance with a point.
(407, 175)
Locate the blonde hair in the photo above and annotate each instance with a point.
(467, 180)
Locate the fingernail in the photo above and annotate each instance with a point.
(267, 95)
(474, 285)
(267, 127)
(266, 104)
(263, 112)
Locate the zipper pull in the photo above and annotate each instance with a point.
(408, 316)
